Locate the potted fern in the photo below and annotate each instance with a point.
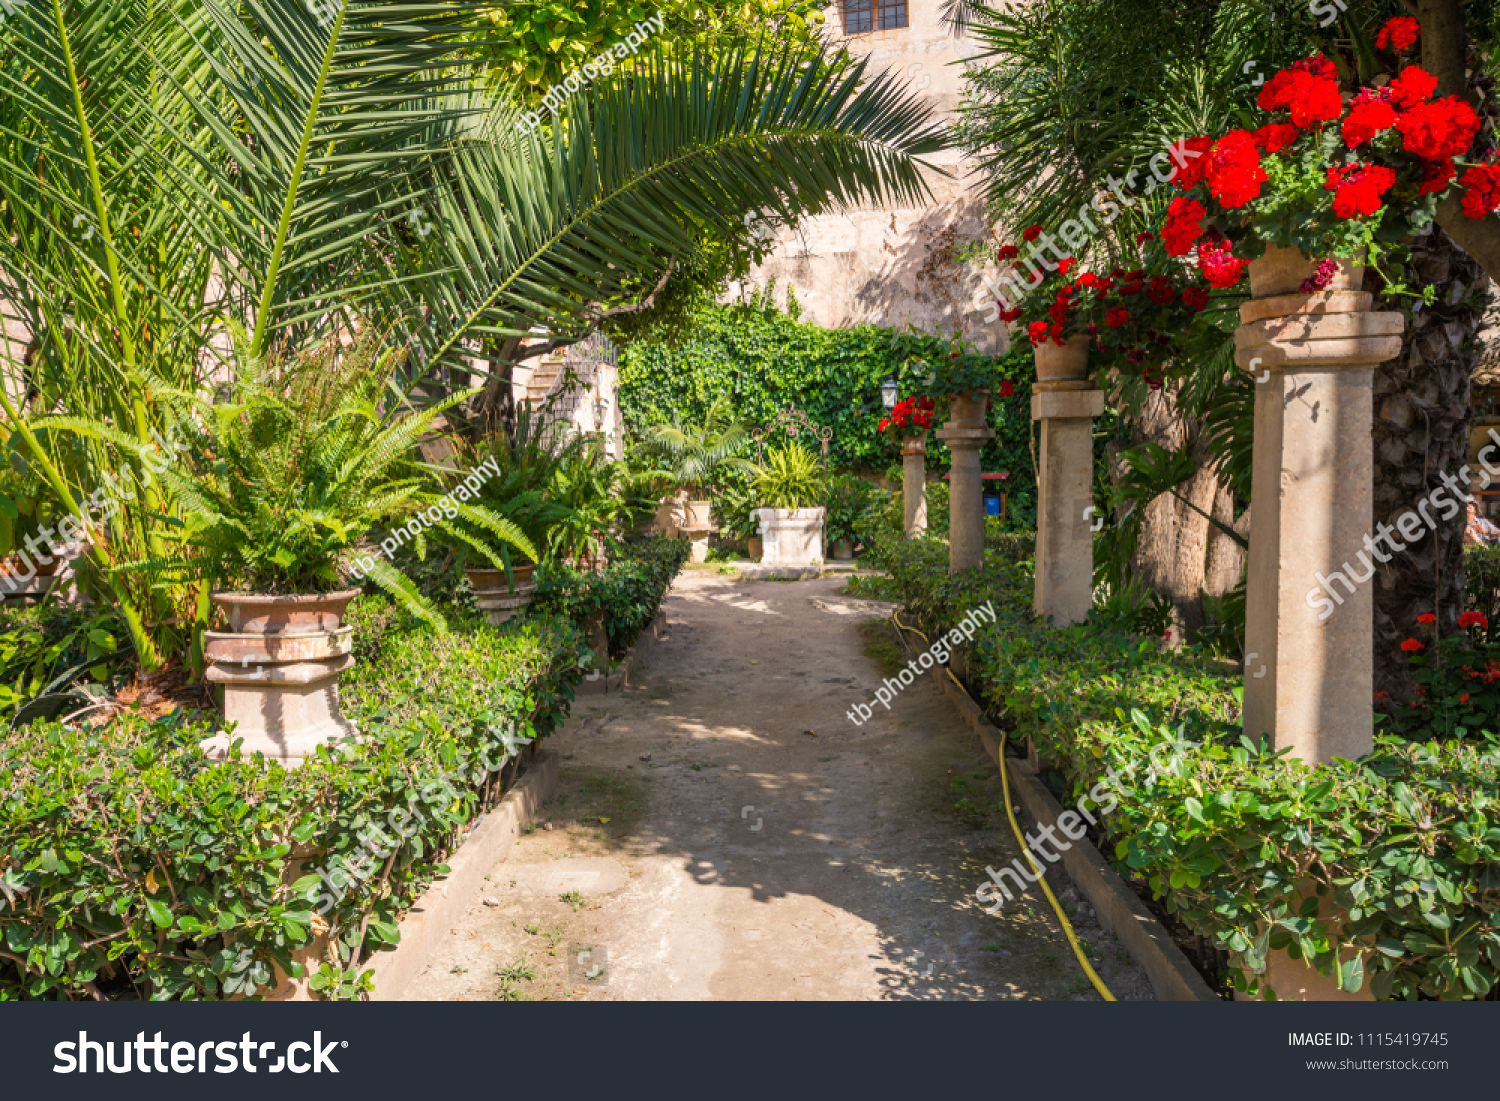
(278, 488)
(698, 456)
(790, 482)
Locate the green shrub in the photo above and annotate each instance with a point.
(629, 590)
(1241, 843)
(134, 867)
(852, 503)
(52, 649)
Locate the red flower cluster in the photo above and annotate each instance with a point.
(1273, 137)
(1143, 237)
(1007, 252)
(1184, 226)
(1411, 646)
(1483, 194)
(1065, 265)
(1195, 299)
(1195, 168)
(1438, 130)
(1116, 317)
(1357, 188)
(1007, 389)
(1320, 279)
(1217, 263)
(1011, 315)
(1410, 88)
(1436, 175)
(912, 413)
(1161, 291)
(1370, 114)
(1031, 233)
(1234, 172)
(1427, 617)
(1474, 619)
(1309, 89)
(1398, 34)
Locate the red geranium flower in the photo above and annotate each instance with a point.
(1483, 189)
(1194, 169)
(1464, 698)
(1357, 188)
(1057, 335)
(1427, 617)
(1366, 119)
(1217, 263)
(1161, 291)
(1087, 279)
(1411, 646)
(1065, 265)
(1315, 100)
(1116, 317)
(1195, 299)
(1031, 233)
(1398, 34)
(1436, 176)
(1184, 226)
(1412, 87)
(1006, 389)
(1234, 172)
(1008, 316)
(1273, 137)
(1007, 252)
(1474, 619)
(1037, 331)
(1438, 130)
(1143, 237)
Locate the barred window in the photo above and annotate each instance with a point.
(862, 16)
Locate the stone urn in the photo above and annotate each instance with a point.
(497, 598)
(1283, 271)
(792, 536)
(1063, 362)
(696, 514)
(967, 409)
(279, 663)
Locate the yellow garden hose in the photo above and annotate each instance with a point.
(1010, 813)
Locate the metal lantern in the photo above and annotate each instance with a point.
(888, 393)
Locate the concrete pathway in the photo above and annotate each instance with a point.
(724, 831)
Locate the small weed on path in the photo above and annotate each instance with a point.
(574, 898)
(882, 647)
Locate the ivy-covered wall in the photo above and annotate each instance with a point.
(768, 361)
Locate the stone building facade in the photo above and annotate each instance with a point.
(894, 266)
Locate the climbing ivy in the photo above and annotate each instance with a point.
(768, 361)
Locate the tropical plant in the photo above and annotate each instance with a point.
(279, 484)
(590, 490)
(851, 505)
(790, 477)
(289, 172)
(698, 456)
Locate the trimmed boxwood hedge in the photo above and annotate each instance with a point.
(131, 866)
(1241, 843)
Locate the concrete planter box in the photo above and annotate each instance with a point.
(791, 536)
(279, 663)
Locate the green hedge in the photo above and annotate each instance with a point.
(767, 362)
(629, 590)
(1407, 840)
(132, 866)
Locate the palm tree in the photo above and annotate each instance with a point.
(170, 170)
(698, 456)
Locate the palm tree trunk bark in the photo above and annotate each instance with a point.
(1421, 431)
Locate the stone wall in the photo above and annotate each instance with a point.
(888, 266)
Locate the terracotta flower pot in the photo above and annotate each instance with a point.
(968, 409)
(1063, 362)
(843, 550)
(1282, 271)
(280, 663)
(485, 579)
(756, 548)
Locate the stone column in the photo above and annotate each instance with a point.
(1064, 590)
(965, 435)
(1308, 679)
(914, 483)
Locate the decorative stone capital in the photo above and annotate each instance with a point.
(1304, 340)
(914, 445)
(1053, 404)
(961, 438)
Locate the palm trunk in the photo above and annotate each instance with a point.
(1421, 431)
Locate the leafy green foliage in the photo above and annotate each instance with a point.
(50, 649)
(764, 362)
(852, 505)
(699, 455)
(1244, 845)
(629, 590)
(135, 867)
(790, 477)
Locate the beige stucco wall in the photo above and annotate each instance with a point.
(890, 266)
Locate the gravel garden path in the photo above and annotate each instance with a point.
(724, 831)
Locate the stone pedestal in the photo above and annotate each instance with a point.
(791, 536)
(1308, 679)
(1064, 590)
(697, 542)
(914, 484)
(965, 435)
